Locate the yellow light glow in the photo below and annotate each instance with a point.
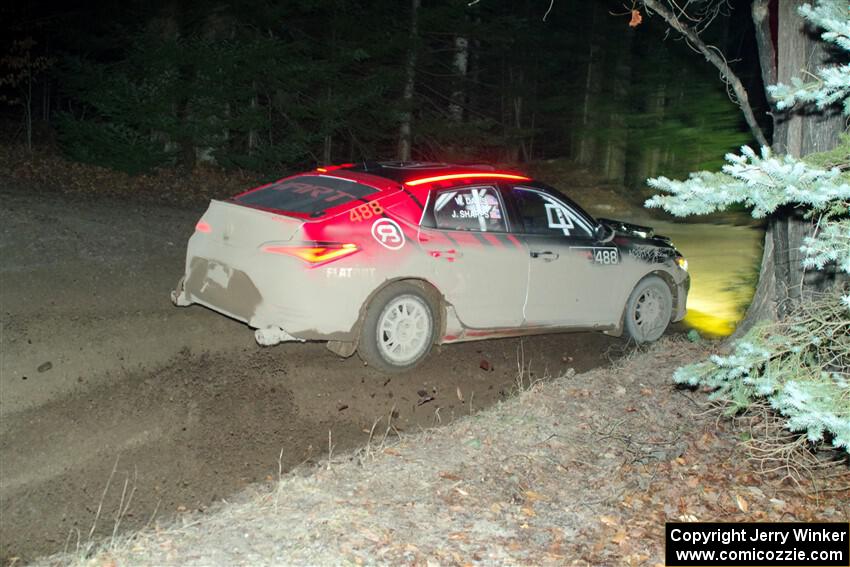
(715, 316)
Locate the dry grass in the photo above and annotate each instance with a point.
(812, 468)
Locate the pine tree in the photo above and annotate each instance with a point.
(801, 364)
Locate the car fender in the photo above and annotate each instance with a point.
(428, 288)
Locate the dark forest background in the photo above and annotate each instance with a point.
(279, 86)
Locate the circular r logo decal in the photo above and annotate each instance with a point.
(388, 233)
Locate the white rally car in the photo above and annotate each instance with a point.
(387, 259)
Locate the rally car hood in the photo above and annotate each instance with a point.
(635, 231)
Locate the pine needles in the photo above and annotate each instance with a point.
(800, 365)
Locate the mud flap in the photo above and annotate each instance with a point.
(342, 348)
(271, 336)
(178, 295)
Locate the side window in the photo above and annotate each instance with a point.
(543, 214)
(470, 208)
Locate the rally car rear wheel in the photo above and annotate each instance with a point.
(398, 330)
(648, 310)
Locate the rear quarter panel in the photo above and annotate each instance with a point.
(331, 297)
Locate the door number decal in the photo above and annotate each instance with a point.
(388, 233)
(606, 256)
(603, 256)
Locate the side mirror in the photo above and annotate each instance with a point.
(603, 233)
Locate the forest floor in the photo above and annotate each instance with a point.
(99, 372)
(120, 412)
(584, 469)
(102, 379)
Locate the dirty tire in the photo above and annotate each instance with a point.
(648, 310)
(399, 329)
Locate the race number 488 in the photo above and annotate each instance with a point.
(365, 211)
(606, 257)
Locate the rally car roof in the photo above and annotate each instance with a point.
(403, 172)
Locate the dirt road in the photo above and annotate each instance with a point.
(108, 393)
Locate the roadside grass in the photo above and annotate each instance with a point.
(583, 469)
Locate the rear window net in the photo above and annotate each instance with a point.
(307, 194)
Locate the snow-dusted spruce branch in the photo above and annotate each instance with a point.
(830, 244)
(764, 182)
(830, 84)
(800, 365)
(832, 16)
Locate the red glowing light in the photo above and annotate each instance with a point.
(328, 168)
(416, 182)
(317, 254)
(203, 227)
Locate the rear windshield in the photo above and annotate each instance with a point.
(308, 194)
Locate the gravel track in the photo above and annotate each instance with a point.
(103, 382)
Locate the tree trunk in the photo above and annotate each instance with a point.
(404, 129)
(522, 149)
(253, 135)
(591, 81)
(647, 155)
(28, 108)
(782, 280)
(617, 139)
(764, 41)
(327, 143)
(461, 66)
(818, 132)
(175, 28)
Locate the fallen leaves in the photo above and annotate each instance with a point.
(532, 496)
(44, 169)
(505, 477)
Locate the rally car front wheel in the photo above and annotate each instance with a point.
(648, 310)
(398, 330)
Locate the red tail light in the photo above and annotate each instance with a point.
(315, 254)
(203, 227)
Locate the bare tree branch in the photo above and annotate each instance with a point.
(715, 59)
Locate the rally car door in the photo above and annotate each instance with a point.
(572, 278)
(480, 267)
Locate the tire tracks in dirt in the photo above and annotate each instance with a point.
(202, 427)
(181, 404)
